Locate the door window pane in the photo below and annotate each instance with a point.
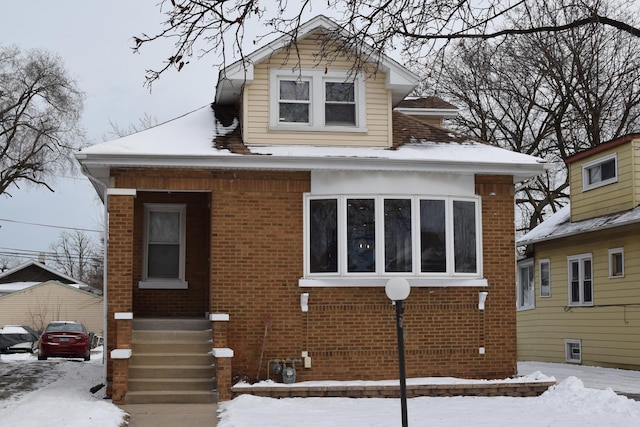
(464, 236)
(323, 236)
(433, 258)
(397, 235)
(361, 233)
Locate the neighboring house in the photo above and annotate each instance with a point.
(32, 273)
(280, 212)
(578, 297)
(39, 304)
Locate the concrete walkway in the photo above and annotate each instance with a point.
(172, 415)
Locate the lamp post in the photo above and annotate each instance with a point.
(397, 290)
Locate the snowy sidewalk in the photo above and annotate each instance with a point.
(621, 381)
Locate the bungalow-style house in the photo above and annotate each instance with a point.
(578, 297)
(278, 214)
(34, 294)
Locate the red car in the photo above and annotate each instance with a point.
(64, 339)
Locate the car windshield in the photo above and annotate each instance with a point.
(64, 327)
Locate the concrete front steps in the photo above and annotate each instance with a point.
(171, 362)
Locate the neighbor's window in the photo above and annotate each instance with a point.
(616, 262)
(580, 280)
(312, 100)
(164, 246)
(525, 298)
(545, 277)
(573, 351)
(600, 172)
(378, 235)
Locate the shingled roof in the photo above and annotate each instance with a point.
(433, 102)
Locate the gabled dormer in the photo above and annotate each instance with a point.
(289, 94)
(428, 109)
(605, 179)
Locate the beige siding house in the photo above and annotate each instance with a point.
(578, 296)
(38, 305)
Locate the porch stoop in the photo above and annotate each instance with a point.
(171, 362)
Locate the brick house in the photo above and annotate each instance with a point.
(278, 213)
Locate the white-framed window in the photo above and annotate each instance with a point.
(545, 277)
(525, 298)
(164, 246)
(312, 100)
(600, 172)
(616, 263)
(573, 351)
(376, 235)
(580, 268)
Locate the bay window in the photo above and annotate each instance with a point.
(366, 236)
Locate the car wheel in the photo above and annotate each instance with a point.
(42, 357)
(87, 358)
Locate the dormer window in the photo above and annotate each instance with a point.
(315, 100)
(600, 172)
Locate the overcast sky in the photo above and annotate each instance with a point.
(94, 40)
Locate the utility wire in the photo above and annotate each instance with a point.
(51, 226)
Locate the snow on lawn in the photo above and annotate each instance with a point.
(64, 400)
(60, 400)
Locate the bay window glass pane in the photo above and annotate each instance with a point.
(323, 236)
(361, 234)
(397, 235)
(464, 236)
(433, 258)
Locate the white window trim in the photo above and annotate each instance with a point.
(613, 252)
(567, 354)
(544, 261)
(519, 304)
(580, 258)
(585, 172)
(380, 277)
(156, 283)
(316, 78)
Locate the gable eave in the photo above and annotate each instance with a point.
(232, 78)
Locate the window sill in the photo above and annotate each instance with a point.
(421, 282)
(307, 128)
(163, 284)
(527, 308)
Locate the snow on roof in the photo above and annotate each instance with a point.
(190, 141)
(16, 286)
(190, 134)
(560, 225)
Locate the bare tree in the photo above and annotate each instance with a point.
(78, 256)
(145, 122)
(548, 95)
(416, 27)
(40, 107)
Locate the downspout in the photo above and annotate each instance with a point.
(105, 234)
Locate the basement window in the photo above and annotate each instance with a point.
(573, 351)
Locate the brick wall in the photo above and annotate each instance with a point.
(256, 252)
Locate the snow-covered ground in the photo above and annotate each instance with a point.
(584, 396)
